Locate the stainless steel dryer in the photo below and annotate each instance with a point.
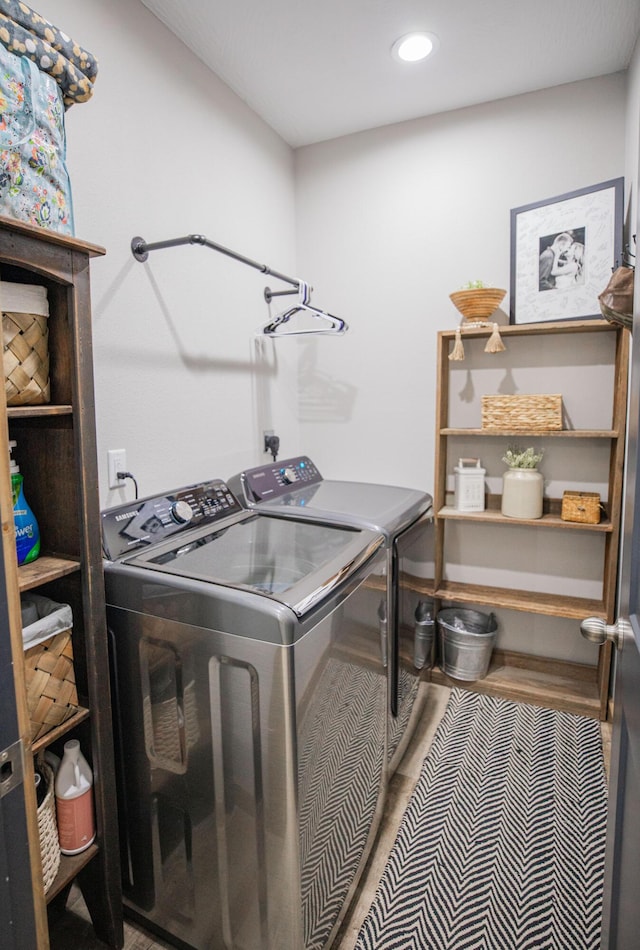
(295, 488)
(250, 696)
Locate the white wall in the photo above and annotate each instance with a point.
(391, 221)
(165, 149)
(632, 150)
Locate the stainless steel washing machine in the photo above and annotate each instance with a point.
(250, 695)
(295, 488)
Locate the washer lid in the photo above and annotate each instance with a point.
(296, 485)
(297, 563)
(386, 508)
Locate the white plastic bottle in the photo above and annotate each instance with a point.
(74, 800)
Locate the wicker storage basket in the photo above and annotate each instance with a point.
(522, 412)
(581, 506)
(51, 684)
(25, 358)
(477, 305)
(25, 343)
(48, 830)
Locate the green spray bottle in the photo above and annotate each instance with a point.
(27, 530)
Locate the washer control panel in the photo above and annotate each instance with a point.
(145, 521)
(271, 481)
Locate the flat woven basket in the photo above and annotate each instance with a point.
(25, 357)
(581, 506)
(51, 683)
(522, 412)
(48, 830)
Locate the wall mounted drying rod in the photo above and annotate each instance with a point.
(140, 250)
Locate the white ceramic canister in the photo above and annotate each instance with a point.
(74, 800)
(522, 491)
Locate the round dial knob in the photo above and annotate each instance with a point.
(181, 511)
(289, 475)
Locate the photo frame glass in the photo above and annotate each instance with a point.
(563, 251)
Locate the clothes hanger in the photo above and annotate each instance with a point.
(302, 305)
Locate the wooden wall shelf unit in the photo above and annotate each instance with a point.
(559, 684)
(56, 451)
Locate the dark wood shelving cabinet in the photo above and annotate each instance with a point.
(532, 677)
(56, 450)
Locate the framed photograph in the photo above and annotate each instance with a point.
(563, 251)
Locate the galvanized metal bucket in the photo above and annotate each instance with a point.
(467, 638)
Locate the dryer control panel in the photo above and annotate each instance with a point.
(271, 481)
(145, 521)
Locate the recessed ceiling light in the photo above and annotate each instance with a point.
(414, 46)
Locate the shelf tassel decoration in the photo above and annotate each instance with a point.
(494, 343)
(457, 352)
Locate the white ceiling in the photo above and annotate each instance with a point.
(318, 69)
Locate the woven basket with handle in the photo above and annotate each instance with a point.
(48, 829)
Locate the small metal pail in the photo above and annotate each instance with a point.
(467, 638)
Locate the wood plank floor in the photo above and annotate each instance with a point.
(74, 932)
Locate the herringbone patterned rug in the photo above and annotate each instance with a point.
(341, 763)
(502, 844)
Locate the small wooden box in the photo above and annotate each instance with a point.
(522, 412)
(581, 506)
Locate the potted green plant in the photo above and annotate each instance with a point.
(516, 457)
(522, 484)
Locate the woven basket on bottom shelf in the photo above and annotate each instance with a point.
(51, 683)
(48, 830)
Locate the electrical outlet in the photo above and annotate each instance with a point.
(271, 443)
(117, 460)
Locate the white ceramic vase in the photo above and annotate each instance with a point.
(522, 490)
